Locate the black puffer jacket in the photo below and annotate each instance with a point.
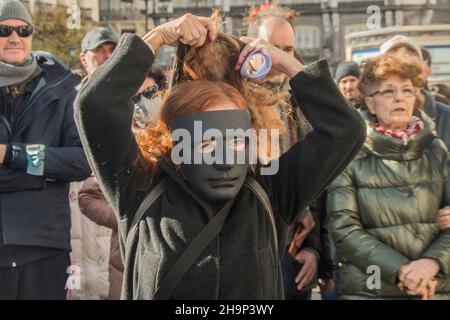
(242, 262)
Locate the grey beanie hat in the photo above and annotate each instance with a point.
(346, 68)
(14, 9)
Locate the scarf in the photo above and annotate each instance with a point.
(11, 74)
(414, 126)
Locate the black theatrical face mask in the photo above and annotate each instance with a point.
(213, 161)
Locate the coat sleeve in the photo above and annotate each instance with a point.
(440, 248)
(16, 180)
(94, 205)
(354, 243)
(311, 164)
(440, 251)
(325, 270)
(312, 241)
(446, 197)
(103, 113)
(66, 162)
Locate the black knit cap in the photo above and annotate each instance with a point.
(347, 68)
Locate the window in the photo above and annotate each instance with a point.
(307, 37)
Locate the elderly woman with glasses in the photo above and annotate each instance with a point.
(389, 209)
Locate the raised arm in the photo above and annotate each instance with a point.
(104, 109)
(338, 134)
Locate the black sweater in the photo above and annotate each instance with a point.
(242, 262)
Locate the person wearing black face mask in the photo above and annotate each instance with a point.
(196, 219)
(221, 180)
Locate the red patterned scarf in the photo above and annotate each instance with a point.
(414, 126)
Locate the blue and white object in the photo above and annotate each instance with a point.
(256, 66)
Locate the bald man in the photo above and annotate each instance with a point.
(301, 271)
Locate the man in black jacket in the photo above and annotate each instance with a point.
(40, 153)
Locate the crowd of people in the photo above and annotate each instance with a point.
(94, 203)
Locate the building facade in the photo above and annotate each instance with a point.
(320, 28)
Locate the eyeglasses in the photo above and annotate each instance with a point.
(22, 31)
(390, 93)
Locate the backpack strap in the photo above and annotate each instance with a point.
(152, 196)
(256, 187)
(191, 253)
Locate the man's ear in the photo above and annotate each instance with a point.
(370, 104)
(83, 59)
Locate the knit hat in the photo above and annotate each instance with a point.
(97, 37)
(401, 41)
(14, 9)
(347, 68)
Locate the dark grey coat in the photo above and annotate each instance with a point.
(242, 262)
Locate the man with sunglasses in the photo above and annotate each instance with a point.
(40, 153)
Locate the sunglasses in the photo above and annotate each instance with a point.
(22, 31)
(148, 93)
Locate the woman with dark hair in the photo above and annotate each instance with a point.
(384, 207)
(148, 100)
(206, 230)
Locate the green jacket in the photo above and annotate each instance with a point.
(382, 211)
